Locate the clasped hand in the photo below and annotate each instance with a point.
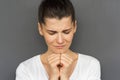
(59, 65)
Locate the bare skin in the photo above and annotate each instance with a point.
(58, 35)
(52, 61)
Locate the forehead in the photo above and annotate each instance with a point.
(58, 23)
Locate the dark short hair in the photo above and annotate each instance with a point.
(55, 9)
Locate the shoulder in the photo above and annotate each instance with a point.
(88, 60)
(91, 65)
(88, 57)
(28, 64)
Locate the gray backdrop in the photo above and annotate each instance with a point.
(97, 34)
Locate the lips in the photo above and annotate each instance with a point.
(59, 47)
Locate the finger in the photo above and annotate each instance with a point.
(54, 60)
(52, 56)
(67, 57)
(65, 61)
(55, 63)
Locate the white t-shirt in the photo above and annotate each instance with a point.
(87, 68)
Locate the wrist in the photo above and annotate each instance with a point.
(53, 78)
(64, 78)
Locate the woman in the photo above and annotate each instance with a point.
(57, 24)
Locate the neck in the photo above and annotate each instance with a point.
(49, 52)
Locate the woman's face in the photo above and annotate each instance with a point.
(58, 34)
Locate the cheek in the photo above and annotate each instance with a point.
(49, 39)
(69, 37)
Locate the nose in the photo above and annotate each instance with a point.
(60, 39)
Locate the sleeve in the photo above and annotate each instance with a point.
(94, 72)
(22, 73)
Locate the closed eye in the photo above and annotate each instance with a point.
(51, 32)
(67, 31)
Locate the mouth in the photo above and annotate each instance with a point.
(59, 47)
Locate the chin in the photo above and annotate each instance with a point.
(59, 51)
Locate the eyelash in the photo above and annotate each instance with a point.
(67, 32)
(52, 33)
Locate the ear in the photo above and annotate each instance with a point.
(40, 29)
(75, 26)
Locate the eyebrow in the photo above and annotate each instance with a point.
(56, 31)
(67, 29)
